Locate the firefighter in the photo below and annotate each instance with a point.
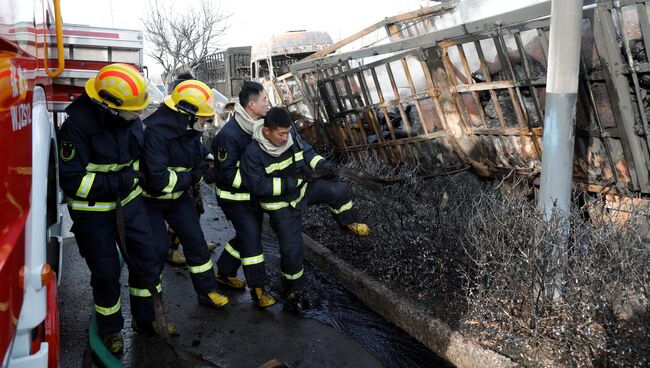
(234, 199)
(100, 144)
(172, 162)
(281, 174)
(174, 255)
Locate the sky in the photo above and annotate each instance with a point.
(251, 20)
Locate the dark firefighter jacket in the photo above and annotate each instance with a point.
(99, 153)
(171, 152)
(228, 147)
(276, 181)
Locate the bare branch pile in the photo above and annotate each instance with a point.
(476, 253)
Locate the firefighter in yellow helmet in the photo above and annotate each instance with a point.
(173, 163)
(100, 145)
(174, 255)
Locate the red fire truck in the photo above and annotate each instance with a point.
(43, 66)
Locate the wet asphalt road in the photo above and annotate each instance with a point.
(338, 332)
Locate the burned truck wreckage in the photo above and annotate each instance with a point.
(447, 87)
(462, 86)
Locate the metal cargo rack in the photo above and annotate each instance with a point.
(443, 96)
(226, 70)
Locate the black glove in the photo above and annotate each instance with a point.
(126, 181)
(208, 174)
(330, 173)
(142, 181)
(306, 175)
(197, 174)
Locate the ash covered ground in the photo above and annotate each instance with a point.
(476, 253)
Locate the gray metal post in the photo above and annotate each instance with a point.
(559, 138)
(561, 94)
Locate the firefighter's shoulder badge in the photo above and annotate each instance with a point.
(67, 151)
(222, 154)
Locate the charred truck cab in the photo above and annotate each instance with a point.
(271, 57)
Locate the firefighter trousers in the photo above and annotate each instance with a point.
(96, 236)
(246, 247)
(287, 224)
(181, 215)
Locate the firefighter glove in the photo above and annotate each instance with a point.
(127, 180)
(142, 181)
(330, 173)
(197, 174)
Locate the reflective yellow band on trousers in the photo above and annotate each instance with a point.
(249, 261)
(314, 161)
(143, 292)
(180, 169)
(202, 268)
(108, 311)
(101, 206)
(295, 276)
(223, 194)
(231, 250)
(86, 184)
(343, 208)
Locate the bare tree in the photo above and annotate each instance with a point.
(183, 37)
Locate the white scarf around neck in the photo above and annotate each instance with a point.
(245, 121)
(266, 145)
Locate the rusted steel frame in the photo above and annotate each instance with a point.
(353, 103)
(389, 124)
(395, 19)
(286, 85)
(402, 141)
(532, 88)
(434, 92)
(453, 72)
(314, 101)
(346, 120)
(372, 117)
(493, 96)
(509, 18)
(470, 80)
(384, 61)
(589, 103)
(381, 100)
(391, 77)
(435, 68)
(347, 123)
(515, 94)
(618, 90)
(641, 9)
(414, 92)
(391, 103)
(635, 77)
(486, 75)
(535, 132)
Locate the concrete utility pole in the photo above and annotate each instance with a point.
(560, 110)
(559, 121)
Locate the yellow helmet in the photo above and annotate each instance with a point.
(191, 97)
(120, 87)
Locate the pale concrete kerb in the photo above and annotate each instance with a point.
(430, 331)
